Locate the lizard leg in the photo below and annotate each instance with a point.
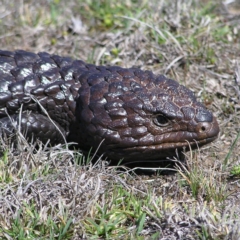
(33, 126)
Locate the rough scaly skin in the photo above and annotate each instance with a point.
(140, 116)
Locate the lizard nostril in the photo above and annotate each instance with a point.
(207, 130)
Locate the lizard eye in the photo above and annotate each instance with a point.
(161, 121)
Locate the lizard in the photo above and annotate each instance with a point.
(125, 113)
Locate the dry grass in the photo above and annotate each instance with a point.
(47, 194)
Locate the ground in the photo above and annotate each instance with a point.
(50, 194)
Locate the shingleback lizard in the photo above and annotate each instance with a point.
(134, 114)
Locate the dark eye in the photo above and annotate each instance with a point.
(161, 121)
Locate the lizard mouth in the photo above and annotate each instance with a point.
(173, 145)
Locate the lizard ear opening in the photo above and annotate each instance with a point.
(161, 121)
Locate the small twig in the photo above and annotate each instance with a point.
(237, 79)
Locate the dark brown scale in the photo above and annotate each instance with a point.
(134, 114)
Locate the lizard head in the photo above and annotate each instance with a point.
(140, 116)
